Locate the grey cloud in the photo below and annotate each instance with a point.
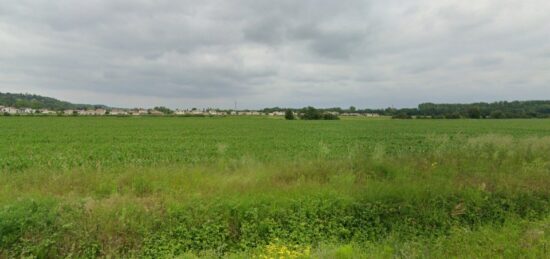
(266, 53)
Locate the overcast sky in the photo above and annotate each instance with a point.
(288, 53)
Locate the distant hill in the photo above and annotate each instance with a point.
(41, 102)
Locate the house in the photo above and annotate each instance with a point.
(180, 112)
(118, 112)
(10, 110)
(214, 113)
(47, 112)
(142, 112)
(137, 112)
(86, 112)
(27, 111)
(68, 112)
(100, 112)
(155, 112)
(196, 112)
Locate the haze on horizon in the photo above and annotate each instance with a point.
(130, 53)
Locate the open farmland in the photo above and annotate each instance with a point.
(259, 186)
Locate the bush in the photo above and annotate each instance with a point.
(330, 116)
(289, 115)
(310, 113)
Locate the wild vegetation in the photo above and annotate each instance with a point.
(481, 110)
(265, 187)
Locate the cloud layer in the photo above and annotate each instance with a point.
(276, 53)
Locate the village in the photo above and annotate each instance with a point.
(7, 111)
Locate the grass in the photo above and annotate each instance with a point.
(263, 187)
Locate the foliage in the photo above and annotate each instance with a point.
(515, 109)
(310, 113)
(40, 102)
(289, 115)
(164, 110)
(474, 113)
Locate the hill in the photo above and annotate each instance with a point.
(41, 102)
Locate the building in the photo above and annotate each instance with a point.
(27, 111)
(180, 112)
(100, 112)
(10, 110)
(47, 112)
(118, 112)
(155, 112)
(279, 113)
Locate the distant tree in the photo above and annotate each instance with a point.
(352, 109)
(310, 113)
(474, 113)
(289, 115)
(453, 115)
(163, 110)
(498, 114)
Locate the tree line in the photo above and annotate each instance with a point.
(495, 110)
(40, 102)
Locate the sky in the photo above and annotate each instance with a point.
(265, 53)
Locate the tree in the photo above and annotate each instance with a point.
(352, 109)
(498, 114)
(330, 116)
(453, 115)
(163, 110)
(289, 115)
(310, 113)
(474, 113)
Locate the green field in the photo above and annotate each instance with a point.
(265, 187)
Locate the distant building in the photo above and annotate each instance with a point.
(10, 110)
(118, 112)
(137, 112)
(180, 112)
(27, 111)
(86, 112)
(155, 112)
(47, 112)
(100, 112)
(68, 112)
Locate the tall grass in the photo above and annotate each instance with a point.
(482, 193)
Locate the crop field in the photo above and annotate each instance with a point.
(264, 187)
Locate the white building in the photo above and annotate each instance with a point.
(118, 112)
(47, 112)
(27, 111)
(10, 110)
